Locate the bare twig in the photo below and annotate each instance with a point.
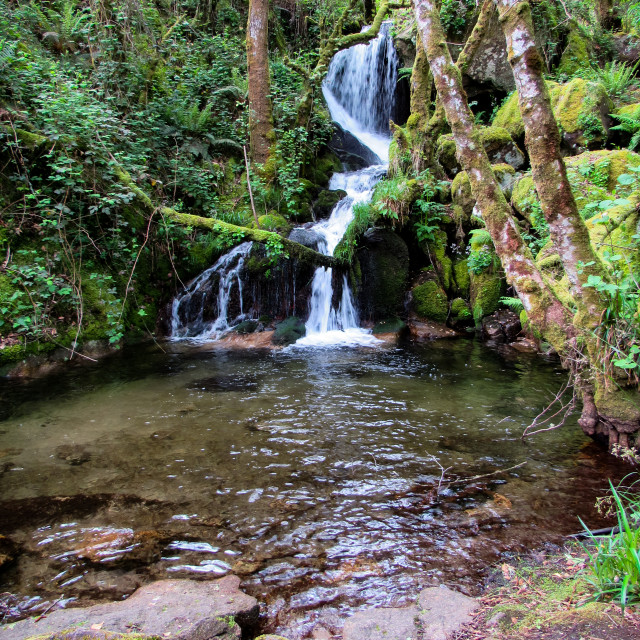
(544, 417)
(253, 206)
(487, 475)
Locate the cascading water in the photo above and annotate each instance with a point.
(359, 91)
(192, 311)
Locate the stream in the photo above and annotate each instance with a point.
(311, 473)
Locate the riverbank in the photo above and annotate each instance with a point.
(545, 595)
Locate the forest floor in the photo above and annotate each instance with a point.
(547, 596)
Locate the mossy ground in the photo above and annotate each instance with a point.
(546, 596)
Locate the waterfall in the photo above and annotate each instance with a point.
(202, 310)
(359, 90)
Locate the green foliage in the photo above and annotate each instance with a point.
(455, 15)
(363, 217)
(430, 211)
(515, 304)
(616, 77)
(629, 123)
(614, 560)
(480, 261)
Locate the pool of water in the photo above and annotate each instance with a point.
(313, 474)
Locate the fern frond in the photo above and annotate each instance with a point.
(515, 304)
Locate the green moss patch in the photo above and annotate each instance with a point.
(430, 301)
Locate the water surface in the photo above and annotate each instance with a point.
(310, 473)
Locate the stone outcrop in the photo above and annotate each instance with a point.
(438, 614)
(176, 609)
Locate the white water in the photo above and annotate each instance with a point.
(359, 91)
(194, 298)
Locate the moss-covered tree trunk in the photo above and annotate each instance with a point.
(261, 133)
(604, 11)
(542, 139)
(543, 308)
(615, 412)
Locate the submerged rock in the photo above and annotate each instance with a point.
(179, 609)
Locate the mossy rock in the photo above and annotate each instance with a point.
(485, 292)
(288, 331)
(580, 107)
(524, 197)
(460, 313)
(273, 221)
(605, 167)
(383, 260)
(461, 277)
(497, 142)
(390, 325)
(246, 327)
(461, 187)
(326, 201)
(320, 171)
(613, 231)
(576, 56)
(628, 110)
(429, 301)
(593, 176)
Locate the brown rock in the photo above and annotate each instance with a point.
(382, 624)
(175, 609)
(425, 330)
(443, 612)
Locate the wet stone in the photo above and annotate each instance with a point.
(176, 609)
(73, 454)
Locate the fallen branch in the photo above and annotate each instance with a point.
(238, 234)
(565, 410)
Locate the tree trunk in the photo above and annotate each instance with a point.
(604, 12)
(261, 133)
(542, 139)
(543, 308)
(616, 407)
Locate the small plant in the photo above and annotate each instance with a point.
(616, 77)
(614, 560)
(515, 304)
(630, 124)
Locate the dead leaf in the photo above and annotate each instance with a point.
(97, 626)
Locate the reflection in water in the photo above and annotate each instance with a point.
(310, 474)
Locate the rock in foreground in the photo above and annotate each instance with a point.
(438, 615)
(175, 609)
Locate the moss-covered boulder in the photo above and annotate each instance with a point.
(581, 109)
(326, 201)
(383, 261)
(593, 176)
(288, 331)
(486, 290)
(273, 221)
(576, 56)
(429, 301)
(497, 142)
(320, 171)
(460, 314)
(461, 278)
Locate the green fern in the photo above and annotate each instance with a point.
(629, 124)
(515, 304)
(480, 237)
(616, 77)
